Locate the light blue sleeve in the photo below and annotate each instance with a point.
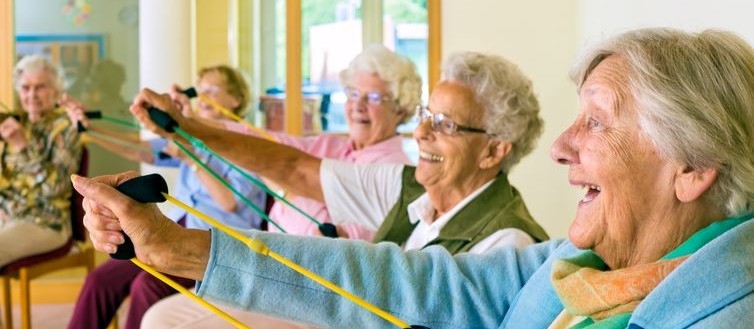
(162, 159)
(430, 287)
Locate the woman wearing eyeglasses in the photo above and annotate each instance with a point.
(382, 89)
(482, 119)
(106, 288)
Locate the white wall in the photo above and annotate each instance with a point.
(543, 38)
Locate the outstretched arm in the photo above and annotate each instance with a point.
(292, 169)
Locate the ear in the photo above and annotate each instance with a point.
(494, 153)
(690, 183)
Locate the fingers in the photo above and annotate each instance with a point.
(104, 232)
(102, 194)
(148, 98)
(75, 110)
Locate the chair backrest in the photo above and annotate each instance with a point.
(77, 210)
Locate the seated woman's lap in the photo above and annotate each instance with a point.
(36, 240)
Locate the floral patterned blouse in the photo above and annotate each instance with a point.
(35, 184)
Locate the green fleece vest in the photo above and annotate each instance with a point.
(498, 207)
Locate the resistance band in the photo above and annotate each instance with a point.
(153, 188)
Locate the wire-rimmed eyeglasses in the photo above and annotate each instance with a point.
(443, 124)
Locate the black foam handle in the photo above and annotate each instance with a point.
(417, 327)
(162, 119)
(190, 92)
(162, 155)
(329, 230)
(93, 114)
(144, 189)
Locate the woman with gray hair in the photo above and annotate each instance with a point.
(40, 150)
(664, 146)
(457, 197)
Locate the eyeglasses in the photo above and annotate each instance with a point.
(209, 89)
(442, 124)
(373, 97)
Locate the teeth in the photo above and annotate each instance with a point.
(593, 187)
(431, 157)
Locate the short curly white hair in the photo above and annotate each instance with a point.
(398, 72)
(511, 110)
(35, 62)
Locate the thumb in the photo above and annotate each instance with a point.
(103, 193)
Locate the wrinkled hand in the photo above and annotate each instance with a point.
(12, 133)
(108, 212)
(75, 110)
(147, 98)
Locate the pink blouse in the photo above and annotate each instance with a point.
(332, 147)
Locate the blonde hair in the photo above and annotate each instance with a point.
(235, 84)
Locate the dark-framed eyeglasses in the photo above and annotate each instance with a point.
(372, 97)
(442, 124)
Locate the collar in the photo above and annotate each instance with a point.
(716, 275)
(422, 208)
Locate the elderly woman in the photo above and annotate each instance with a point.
(382, 90)
(458, 197)
(39, 151)
(106, 287)
(663, 144)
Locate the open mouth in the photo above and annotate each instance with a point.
(361, 121)
(431, 157)
(592, 191)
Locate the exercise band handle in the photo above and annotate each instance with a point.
(144, 189)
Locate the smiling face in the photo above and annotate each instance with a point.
(37, 93)
(454, 162)
(370, 123)
(213, 85)
(629, 188)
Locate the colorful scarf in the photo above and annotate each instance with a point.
(608, 297)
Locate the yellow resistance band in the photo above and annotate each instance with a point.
(189, 294)
(228, 113)
(259, 247)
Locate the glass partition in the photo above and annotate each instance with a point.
(96, 44)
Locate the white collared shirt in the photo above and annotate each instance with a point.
(364, 194)
(421, 211)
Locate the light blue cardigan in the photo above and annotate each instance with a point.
(503, 288)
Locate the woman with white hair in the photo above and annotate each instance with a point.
(40, 150)
(482, 119)
(382, 89)
(664, 147)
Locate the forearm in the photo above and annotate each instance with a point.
(414, 286)
(219, 193)
(129, 153)
(185, 256)
(292, 169)
(128, 137)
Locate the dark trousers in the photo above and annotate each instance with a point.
(106, 288)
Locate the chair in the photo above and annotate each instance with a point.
(75, 253)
